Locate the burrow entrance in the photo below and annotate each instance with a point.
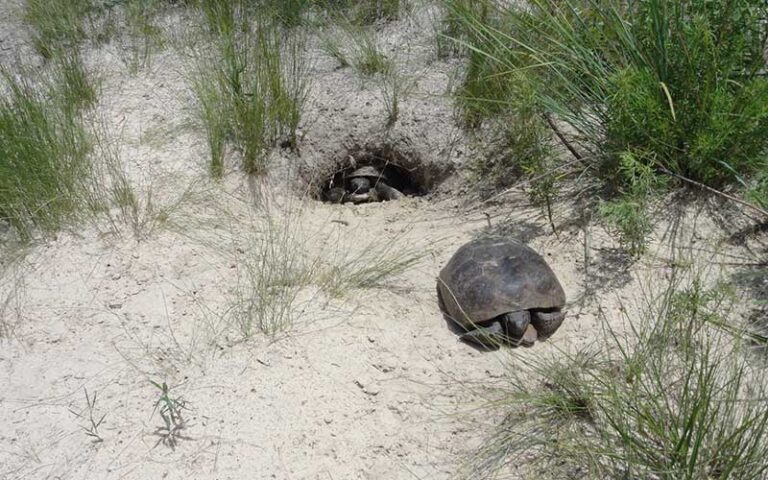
(365, 174)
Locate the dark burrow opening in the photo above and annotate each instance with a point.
(381, 173)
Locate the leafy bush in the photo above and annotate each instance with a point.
(676, 84)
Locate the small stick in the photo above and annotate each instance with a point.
(539, 177)
(549, 215)
(562, 138)
(715, 191)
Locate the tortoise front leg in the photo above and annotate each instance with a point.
(546, 323)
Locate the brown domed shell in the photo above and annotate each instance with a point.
(488, 277)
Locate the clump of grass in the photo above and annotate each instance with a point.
(672, 398)
(43, 155)
(63, 25)
(330, 44)
(281, 259)
(359, 12)
(219, 15)
(77, 90)
(368, 11)
(366, 55)
(58, 24)
(253, 90)
(360, 49)
(395, 87)
(676, 85)
(451, 33)
(346, 269)
(275, 268)
(213, 115)
(141, 31)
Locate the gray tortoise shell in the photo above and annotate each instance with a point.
(488, 277)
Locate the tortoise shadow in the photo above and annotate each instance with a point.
(459, 330)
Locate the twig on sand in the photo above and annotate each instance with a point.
(750, 206)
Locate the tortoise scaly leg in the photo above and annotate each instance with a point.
(546, 323)
(491, 336)
(388, 193)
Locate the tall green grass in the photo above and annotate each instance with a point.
(63, 25)
(58, 24)
(676, 86)
(43, 152)
(294, 13)
(672, 397)
(251, 89)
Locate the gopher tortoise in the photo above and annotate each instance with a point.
(501, 291)
(369, 184)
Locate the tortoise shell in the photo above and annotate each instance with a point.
(489, 277)
(367, 171)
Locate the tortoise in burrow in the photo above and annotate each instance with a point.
(501, 291)
(369, 184)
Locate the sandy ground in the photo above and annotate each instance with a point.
(370, 384)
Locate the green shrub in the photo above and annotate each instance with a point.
(676, 84)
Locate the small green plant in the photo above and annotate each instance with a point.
(628, 213)
(170, 409)
(366, 55)
(92, 429)
(395, 87)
